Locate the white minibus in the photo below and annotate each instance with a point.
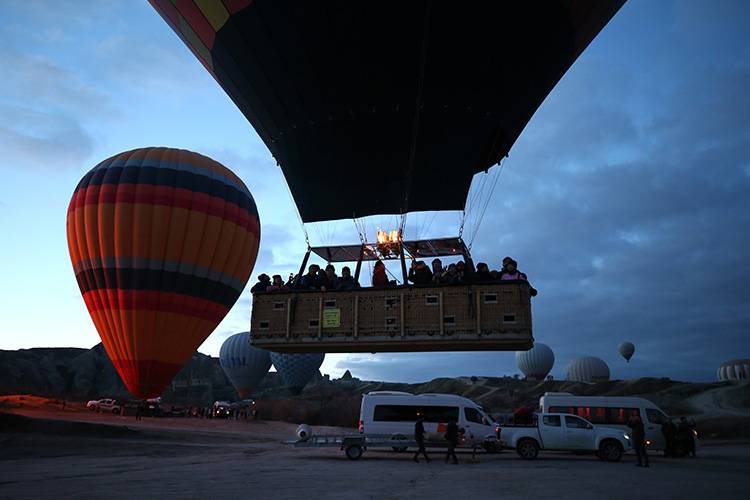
(609, 411)
(395, 413)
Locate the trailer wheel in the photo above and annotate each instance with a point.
(527, 449)
(353, 452)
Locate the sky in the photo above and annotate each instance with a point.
(626, 199)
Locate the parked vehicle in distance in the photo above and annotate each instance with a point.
(221, 409)
(610, 411)
(104, 405)
(394, 414)
(563, 432)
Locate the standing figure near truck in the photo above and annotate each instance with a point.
(451, 435)
(638, 435)
(419, 438)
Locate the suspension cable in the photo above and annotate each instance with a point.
(487, 202)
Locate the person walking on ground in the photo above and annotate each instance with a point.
(138, 411)
(451, 435)
(638, 435)
(419, 438)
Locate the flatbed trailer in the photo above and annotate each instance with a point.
(354, 445)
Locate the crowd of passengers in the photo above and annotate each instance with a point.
(419, 274)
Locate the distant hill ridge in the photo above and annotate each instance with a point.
(80, 374)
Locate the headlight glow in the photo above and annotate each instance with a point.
(626, 437)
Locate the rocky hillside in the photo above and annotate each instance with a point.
(80, 374)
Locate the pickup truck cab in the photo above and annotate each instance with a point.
(564, 432)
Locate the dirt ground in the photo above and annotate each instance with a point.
(45, 452)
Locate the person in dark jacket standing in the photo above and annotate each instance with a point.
(669, 431)
(638, 435)
(686, 435)
(419, 438)
(451, 435)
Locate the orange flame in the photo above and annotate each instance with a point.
(393, 237)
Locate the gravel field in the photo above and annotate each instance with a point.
(46, 453)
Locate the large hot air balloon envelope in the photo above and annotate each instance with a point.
(627, 349)
(162, 242)
(244, 364)
(411, 93)
(587, 369)
(296, 370)
(537, 362)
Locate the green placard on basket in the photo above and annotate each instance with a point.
(332, 317)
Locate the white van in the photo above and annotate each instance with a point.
(609, 411)
(394, 414)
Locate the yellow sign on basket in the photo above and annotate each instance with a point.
(332, 317)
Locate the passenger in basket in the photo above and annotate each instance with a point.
(321, 280)
(419, 274)
(483, 274)
(379, 278)
(263, 283)
(307, 282)
(331, 277)
(346, 281)
(451, 275)
(437, 270)
(461, 271)
(277, 285)
(511, 272)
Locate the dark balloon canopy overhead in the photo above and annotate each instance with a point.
(406, 101)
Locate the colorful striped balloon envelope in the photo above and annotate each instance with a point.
(162, 242)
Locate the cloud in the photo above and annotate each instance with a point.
(33, 139)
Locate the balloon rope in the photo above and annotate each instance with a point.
(487, 202)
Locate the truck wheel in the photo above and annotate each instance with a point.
(353, 452)
(116, 411)
(610, 450)
(527, 449)
(92, 408)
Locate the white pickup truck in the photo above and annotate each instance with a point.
(562, 432)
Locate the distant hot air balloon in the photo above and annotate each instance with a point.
(626, 350)
(162, 242)
(536, 362)
(587, 369)
(244, 364)
(297, 370)
(736, 369)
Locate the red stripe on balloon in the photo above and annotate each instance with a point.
(134, 373)
(150, 194)
(148, 300)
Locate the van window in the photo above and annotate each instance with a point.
(551, 420)
(575, 423)
(408, 413)
(620, 416)
(656, 416)
(473, 415)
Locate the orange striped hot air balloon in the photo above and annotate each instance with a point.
(163, 242)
